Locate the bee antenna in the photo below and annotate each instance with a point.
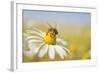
(55, 25)
(49, 25)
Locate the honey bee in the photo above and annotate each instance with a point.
(50, 37)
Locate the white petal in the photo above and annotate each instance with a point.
(43, 51)
(34, 37)
(33, 51)
(35, 32)
(66, 49)
(60, 51)
(25, 34)
(38, 48)
(51, 52)
(38, 30)
(61, 41)
(34, 43)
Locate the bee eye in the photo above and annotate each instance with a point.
(56, 32)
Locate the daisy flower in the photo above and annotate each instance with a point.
(39, 43)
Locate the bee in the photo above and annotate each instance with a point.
(50, 37)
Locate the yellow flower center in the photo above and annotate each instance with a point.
(50, 39)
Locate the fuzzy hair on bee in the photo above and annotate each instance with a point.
(52, 30)
(51, 35)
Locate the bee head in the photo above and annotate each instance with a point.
(53, 31)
